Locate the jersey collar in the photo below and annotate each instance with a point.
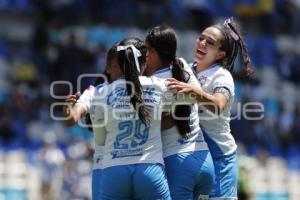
(162, 70)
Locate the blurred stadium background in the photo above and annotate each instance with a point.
(46, 40)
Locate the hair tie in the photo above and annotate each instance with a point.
(231, 31)
(136, 54)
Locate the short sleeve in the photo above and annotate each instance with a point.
(193, 80)
(85, 99)
(223, 80)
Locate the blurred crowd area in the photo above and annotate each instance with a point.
(42, 41)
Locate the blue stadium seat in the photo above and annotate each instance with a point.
(97, 35)
(22, 4)
(266, 48)
(252, 46)
(4, 4)
(293, 157)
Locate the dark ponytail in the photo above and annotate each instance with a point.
(128, 67)
(233, 46)
(163, 40)
(182, 111)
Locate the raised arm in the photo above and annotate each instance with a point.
(77, 106)
(72, 112)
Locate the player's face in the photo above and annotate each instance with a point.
(113, 70)
(147, 71)
(207, 50)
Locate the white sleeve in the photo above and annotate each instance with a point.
(225, 81)
(193, 80)
(85, 99)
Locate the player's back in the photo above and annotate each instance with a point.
(128, 140)
(172, 141)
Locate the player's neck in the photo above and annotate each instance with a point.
(203, 67)
(157, 66)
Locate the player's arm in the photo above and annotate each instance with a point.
(167, 119)
(215, 102)
(71, 112)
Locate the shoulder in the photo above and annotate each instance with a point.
(144, 80)
(89, 91)
(99, 86)
(183, 61)
(223, 78)
(185, 64)
(153, 81)
(224, 74)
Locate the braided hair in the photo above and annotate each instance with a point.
(233, 43)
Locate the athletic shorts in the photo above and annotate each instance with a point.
(225, 184)
(96, 184)
(190, 175)
(135, 181)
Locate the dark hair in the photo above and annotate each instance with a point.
(128, 67)
(163, 40)
(233, 47)
(111, 54)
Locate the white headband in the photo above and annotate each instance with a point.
(136, 54)
(232, 33)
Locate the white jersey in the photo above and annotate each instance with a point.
(173, 143)
(128, 140)
(98, 157)
(85, 100)
(216, 127)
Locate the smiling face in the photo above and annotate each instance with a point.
(207, 50)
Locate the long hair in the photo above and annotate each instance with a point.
(129, 69)
(163, 40)
(233, 46)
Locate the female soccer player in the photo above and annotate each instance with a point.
(189, 166)
(216, 50)
(80, 102)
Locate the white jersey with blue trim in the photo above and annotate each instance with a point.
(85, 100)
(128, 140)
(173, 143)
(216, 127)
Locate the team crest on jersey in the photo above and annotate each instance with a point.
(202, 80)
(118, 98)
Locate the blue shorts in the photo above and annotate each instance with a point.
(190, 175)
(96, 186)
(226, 171)
(136, 181)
